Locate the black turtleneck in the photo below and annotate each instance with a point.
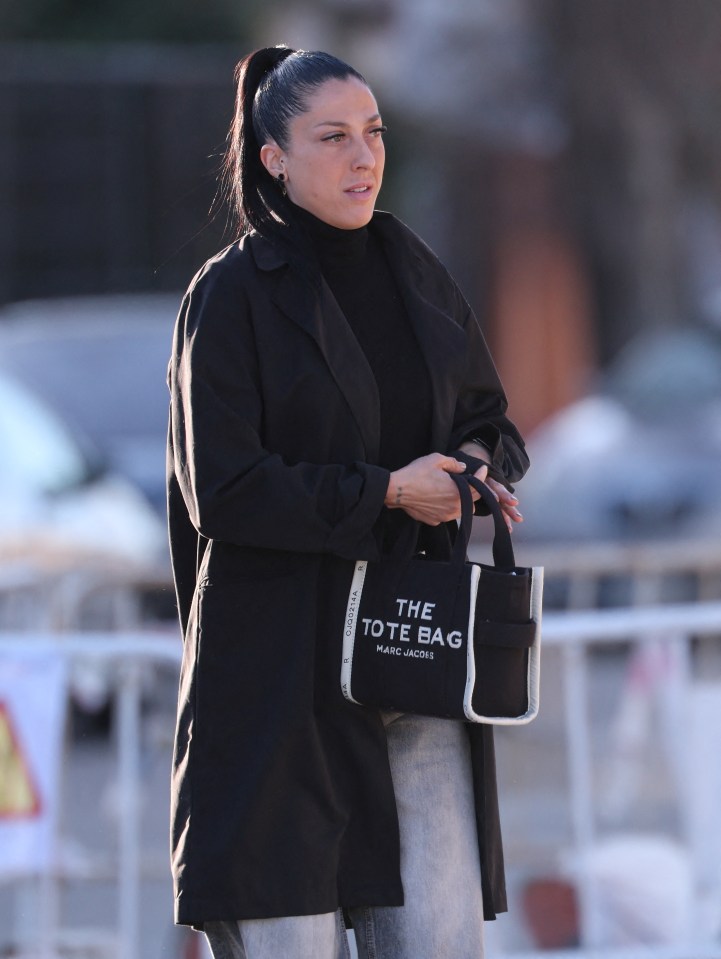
(356, 270)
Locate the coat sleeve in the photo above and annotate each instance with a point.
(234, 489)
(481, 407)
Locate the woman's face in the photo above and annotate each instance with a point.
(333, 163)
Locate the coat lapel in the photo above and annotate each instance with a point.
(321, 317)
(439, 334)
(424, 288)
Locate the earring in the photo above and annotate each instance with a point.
(281, 181)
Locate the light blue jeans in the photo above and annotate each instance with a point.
(443, 914)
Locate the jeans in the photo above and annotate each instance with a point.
(290, 937)
(442, 916)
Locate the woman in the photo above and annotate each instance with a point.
(325, 369)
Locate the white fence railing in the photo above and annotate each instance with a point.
(573, 633)
(130, 654)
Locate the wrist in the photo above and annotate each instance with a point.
(476, 451)
(394, 493)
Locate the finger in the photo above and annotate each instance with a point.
(513, 514)
(452, 465)
(508, 521)
(502, 494)
(480, 474)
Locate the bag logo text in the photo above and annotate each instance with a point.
(419, 630)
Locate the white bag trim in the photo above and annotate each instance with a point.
(349, 627)
(534, 658)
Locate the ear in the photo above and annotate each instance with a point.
(271, 156)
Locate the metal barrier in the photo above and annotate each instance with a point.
(130, 653)
(573, 633)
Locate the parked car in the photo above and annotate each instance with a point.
(56, 495)
(639, 459)
(100, 362)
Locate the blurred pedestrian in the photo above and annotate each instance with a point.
(327, 375)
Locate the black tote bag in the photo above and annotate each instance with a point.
(452, 638)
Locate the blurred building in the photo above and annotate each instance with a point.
(108, 162)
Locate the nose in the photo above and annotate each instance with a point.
(363, 158)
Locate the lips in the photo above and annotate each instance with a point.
(360, 189)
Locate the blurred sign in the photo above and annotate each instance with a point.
(18, 794)
(32, 714)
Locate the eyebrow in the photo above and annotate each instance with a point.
(341, 123)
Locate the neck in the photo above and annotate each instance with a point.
(331, 242)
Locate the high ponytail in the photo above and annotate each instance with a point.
(248, 183)
(273, 86)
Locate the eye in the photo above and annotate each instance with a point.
(334, 138)
(378, 131)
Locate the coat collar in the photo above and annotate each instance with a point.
(427, 294)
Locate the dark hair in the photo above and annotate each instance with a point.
(273, 86)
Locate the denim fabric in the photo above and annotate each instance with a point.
(292, 937)
(443, 914)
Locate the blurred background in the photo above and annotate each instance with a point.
(563, 158)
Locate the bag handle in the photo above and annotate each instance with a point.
(503, 556)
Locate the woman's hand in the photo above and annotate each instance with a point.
(425, 491)
(506, 500)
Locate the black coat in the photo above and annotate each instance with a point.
(282, 800)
